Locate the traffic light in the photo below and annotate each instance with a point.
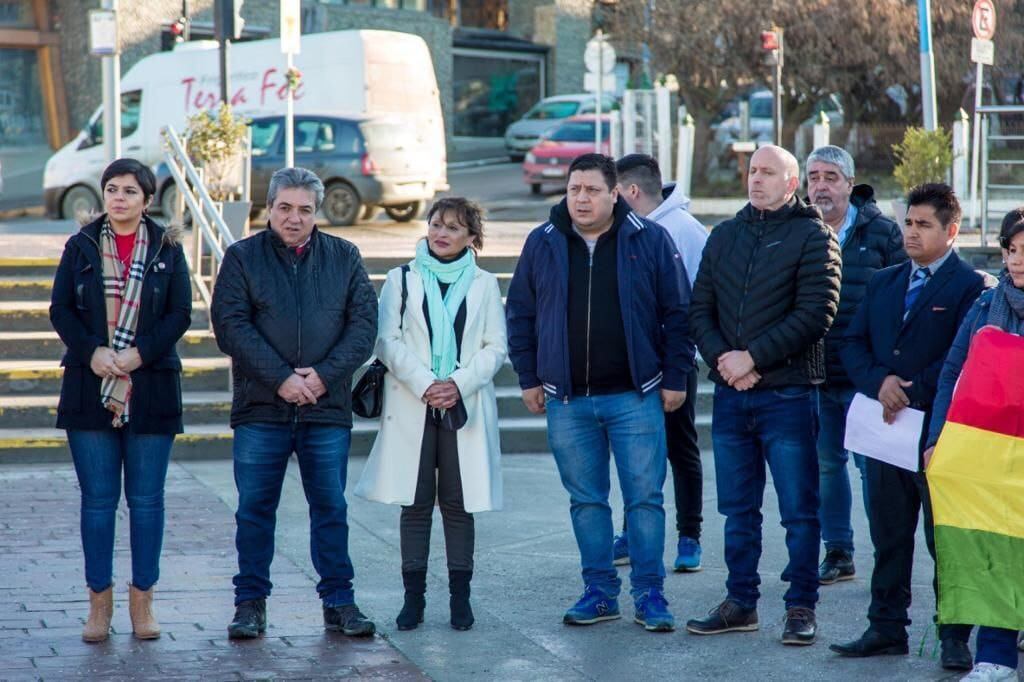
(177, 30)
(769, 40)
(228, 19)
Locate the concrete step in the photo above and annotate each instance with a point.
(28, 288)
(38, 377)
(200, 407)
(213, 441)
(214, 407)
(21, 267)
(39, 288)
(46, 345)
(34, 316)
(46, 267)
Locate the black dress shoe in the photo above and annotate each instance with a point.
(872, 643)
(726, 617)
(956, 655)
(250, 620)
(838, 565)
(801, 626)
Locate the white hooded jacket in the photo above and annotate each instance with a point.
(687, 233)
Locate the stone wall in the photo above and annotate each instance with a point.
(140, 24)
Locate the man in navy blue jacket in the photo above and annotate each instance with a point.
(597, 329)
(893, 351)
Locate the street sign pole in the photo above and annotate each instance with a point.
(983, 23)
(924, 20)
(104, 42)
(290, 43)
(600, 92)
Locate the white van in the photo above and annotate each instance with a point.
(354, 73)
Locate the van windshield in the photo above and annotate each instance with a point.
(131, 104)
(546, 110)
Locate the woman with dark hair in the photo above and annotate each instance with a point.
(1002, 307)
(442, 337)
(121, 300)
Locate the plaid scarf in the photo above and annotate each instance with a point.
(122, 292)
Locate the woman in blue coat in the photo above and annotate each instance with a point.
(1002, 307)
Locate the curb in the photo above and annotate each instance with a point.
(492, 161)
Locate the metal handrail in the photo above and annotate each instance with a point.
(211, 235)
(988, 112)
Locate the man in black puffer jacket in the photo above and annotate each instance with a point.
(869, 242)
(296, 312)
(766, 293)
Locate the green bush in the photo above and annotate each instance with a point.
(215, 143)
(923, 156)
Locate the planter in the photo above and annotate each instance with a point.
(236, 216)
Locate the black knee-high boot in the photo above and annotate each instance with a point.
(458, 587)
(412, 611)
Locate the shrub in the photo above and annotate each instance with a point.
(923, 156)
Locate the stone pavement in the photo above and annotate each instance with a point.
(527, 573)
(43, 599)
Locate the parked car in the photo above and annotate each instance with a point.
(364, 163)
(386, 74)
(548, 161)
(521, 136)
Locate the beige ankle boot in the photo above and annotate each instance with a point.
(101, 609)
(140, 607)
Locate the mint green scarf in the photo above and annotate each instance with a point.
(458, 275)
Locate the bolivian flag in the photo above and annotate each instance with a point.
(976, 479)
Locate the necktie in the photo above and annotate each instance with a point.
(917, 282)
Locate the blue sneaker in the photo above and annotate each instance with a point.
(593, 607)
(652, 611)
(688, 559)
(620, 550)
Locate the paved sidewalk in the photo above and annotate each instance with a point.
(43, 599)
(527, 573)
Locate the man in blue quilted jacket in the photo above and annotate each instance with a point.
(597, 328)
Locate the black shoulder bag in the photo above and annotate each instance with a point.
(368, 394)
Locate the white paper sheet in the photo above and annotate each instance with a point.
(868, 434)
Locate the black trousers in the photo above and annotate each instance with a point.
(684, 456)
(439, 479)
(895, 498)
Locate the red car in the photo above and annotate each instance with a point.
(548, 161)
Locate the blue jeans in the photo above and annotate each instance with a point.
(748, 429)
(580, 433)
(997, 645)
(99, 458)
(833, 474)
(261, 453)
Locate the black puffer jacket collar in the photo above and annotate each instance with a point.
(796, 208)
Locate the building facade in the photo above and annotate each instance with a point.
(493, 58)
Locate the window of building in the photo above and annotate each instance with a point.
(21, 104)
(16, 14)
(491, 14)
(493, 89)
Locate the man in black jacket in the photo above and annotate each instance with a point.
(766, 293)
(295, 310)
(869, 242)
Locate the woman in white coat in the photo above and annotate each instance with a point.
(438, 438)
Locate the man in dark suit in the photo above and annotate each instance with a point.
(893, 350)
